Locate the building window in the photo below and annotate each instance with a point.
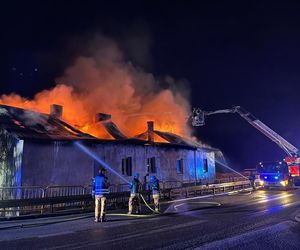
(179, 166)
(205, 165)
(127, 166)
(151, 165)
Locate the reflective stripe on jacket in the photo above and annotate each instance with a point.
(100, 185)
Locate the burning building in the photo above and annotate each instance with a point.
(38, 149)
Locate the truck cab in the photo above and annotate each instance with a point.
(275, 174)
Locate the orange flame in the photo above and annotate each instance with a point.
(92, 85)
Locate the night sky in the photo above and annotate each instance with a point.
(231, 52)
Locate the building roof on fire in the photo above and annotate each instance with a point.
(34, 125)
(27, 124)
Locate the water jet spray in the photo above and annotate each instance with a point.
(99, 160)
(225, 166)
(106, 166)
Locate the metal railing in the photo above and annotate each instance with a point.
(171, 184)
(33, 192)
(118, 188)
(208, 189)
(57, 191)
(29, 192)
(230, 179)
(23, 200)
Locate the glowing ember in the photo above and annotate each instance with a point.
(18, 123)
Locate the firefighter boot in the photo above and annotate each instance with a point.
(157, 208)
(138, 207)
(103, 219)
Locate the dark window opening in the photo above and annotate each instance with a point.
(151, 165)
(179, 166)
(205, 165)
(127, 166)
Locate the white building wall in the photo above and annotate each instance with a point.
(166, 162)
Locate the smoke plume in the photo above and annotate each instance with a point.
(105, 82)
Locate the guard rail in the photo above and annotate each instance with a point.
(59, 198)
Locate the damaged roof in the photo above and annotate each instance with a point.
(170, 139)
(114, 131)
(167, 137)
(179, 140)
(34, 125)
(173, 138)
(27, 124)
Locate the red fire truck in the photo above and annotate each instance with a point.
(281, 173)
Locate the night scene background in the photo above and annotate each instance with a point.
(221, 53)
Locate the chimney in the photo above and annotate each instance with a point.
(102, 117)
(150, 125)
(56, 111)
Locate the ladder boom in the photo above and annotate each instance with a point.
(290, 149)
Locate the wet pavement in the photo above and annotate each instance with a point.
(258, 220)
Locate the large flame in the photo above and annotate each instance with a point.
(106, 83)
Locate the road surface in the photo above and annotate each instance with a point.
(258, 220)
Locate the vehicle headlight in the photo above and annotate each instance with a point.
(261, 182)
(284, 183)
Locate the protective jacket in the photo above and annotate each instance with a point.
(135, 186)
(252, 177)
(154, 185)
(100, 185)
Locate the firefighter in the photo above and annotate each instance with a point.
(252, 180)
(100, 190)
(155, 190)
(134, 199)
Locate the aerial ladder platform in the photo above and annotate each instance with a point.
(293, 155)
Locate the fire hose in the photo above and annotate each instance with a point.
(147, 205)
(139, 215)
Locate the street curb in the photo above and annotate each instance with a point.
(46, 215)
(205, 196)
(41, 223)
(39, 216)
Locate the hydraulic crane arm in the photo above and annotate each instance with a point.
(198, 119)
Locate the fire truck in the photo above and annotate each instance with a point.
(283, 173)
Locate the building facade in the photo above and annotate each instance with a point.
(40, 150)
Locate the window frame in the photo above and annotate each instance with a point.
(126, 166)
(179, 166)
(151, 165)
(205, 165)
